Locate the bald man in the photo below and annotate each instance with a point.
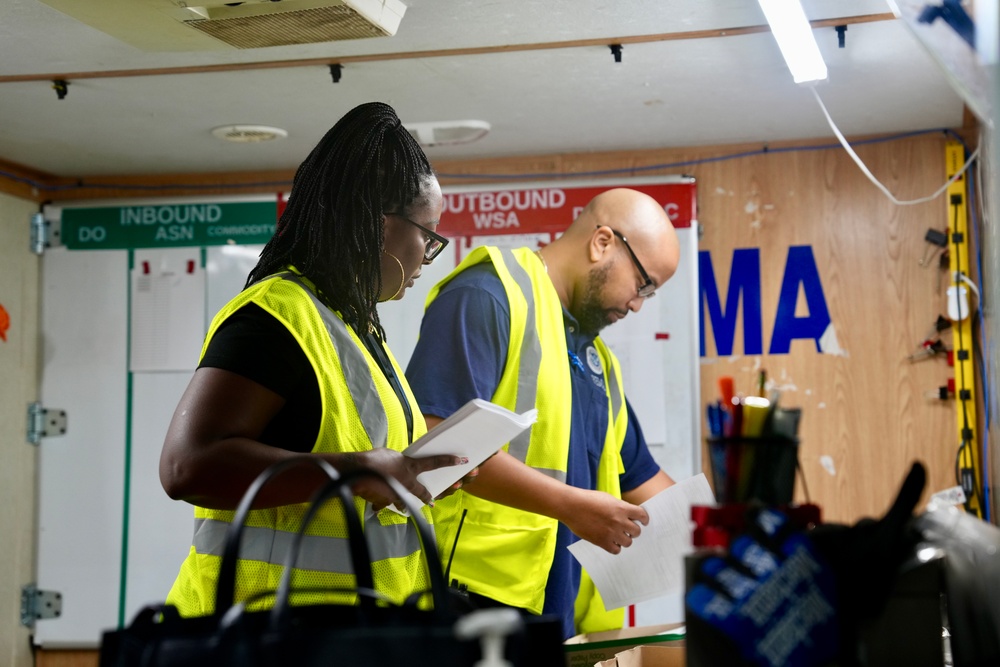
(520, 328)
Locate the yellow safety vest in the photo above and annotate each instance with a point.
(360, 411)
(505, 553)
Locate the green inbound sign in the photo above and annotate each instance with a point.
(168, 225)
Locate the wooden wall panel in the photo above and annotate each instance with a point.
(19, 373)
(864, 411)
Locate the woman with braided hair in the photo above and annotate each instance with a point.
(297, 364)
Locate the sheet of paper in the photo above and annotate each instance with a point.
(654, 565)
(166, 332)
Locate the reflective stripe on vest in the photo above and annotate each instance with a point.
(614, 388)
(355, 368)
(319, 553)
(529, 360)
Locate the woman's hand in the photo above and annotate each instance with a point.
(394, 464)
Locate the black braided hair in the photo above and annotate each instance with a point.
(366, 165)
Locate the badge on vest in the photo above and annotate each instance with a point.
(594, 360)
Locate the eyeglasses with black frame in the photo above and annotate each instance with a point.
(648, 288)
(434, 243)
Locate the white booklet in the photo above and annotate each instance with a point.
(477, 430)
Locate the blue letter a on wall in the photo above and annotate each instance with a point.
(800, 269)
(744, 279)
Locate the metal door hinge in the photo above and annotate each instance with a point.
(44, 234)
(38, 605)
(44, 423)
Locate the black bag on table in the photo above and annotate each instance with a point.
(368, 633)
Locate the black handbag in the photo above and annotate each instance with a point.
(372, 631)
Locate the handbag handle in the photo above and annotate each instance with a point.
(225, 591)
(280, 610)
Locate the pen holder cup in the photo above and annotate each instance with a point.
(746, 469)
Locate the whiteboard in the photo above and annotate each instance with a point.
(81, 474)
(110, 540)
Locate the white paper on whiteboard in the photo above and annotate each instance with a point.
(166, 331)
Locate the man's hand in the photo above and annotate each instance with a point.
(595, 516)
(602, 519)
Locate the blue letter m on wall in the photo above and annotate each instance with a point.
(744, 279)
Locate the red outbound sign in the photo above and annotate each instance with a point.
(547, 209)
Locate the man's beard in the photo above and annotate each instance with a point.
(591, 315)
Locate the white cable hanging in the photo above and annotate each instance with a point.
(866, 172)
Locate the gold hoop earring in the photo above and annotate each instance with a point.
(402, 276)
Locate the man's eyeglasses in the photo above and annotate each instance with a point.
(648, 288)
(433, 243)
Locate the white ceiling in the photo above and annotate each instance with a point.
(664, 93)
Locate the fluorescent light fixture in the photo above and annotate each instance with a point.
(795, 39)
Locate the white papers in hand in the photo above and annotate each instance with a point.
(477, 431)
(654, 565)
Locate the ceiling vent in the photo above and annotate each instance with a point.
(205, 25)
(248, 134)
(449, 132)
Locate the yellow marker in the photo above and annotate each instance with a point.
(755, 411)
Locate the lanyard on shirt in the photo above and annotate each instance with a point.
(374, 345)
